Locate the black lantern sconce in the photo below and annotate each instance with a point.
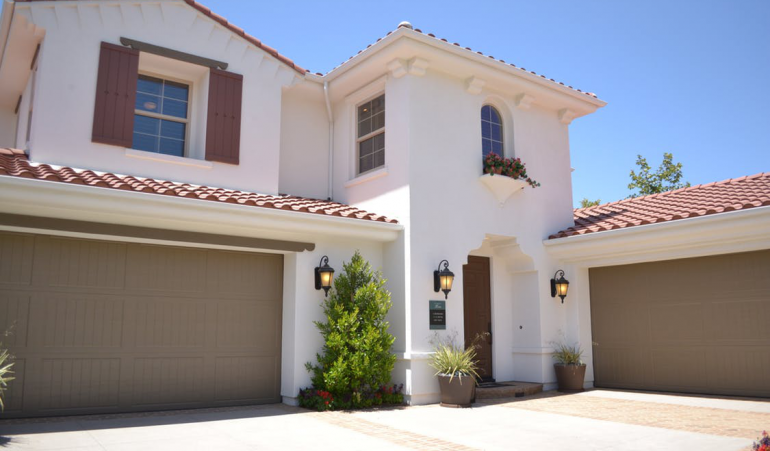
(559, 286)
(443, 278)
(324, 275)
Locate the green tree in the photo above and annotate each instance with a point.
(666, 178)
(585, 203)
(356, 358)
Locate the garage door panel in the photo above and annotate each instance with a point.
(632, 326)
(618, 366)
(741, 369)
(248, 324)
(14, 318)
(747, 319)
(168, 380)
(76, 320)
(160, 268)
(169, 322)
(235, 374)
(69, 262)
(78, 383)
(233, 273)
(16, 253)
(706, 328)
(14, 396)
(676, 322)
(86, 342)
(678, 367)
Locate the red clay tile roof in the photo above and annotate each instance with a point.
(235, 29)
(14, 163)
(417, 30)
(701, 200)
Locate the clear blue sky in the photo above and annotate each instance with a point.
(687, 77)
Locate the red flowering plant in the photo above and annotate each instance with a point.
(763, 444)
(509, 167)
(322, 400)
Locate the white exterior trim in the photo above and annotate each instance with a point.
(737, 231)
(67, 201)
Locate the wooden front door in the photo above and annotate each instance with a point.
(477, 312)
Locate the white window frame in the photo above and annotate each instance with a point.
(370, 135)
(502, 128)
(187, 120)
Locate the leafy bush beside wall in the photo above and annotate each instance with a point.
(354, 367)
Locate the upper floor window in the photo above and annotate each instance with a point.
(491, 131)
(371, 134)
(161, 116)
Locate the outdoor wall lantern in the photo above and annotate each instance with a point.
(559, 286)
(324, 275)
(443, 278)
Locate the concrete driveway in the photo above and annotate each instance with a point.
(593, 420)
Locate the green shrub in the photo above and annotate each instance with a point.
(356, 360)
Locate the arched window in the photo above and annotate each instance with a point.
(491, 131)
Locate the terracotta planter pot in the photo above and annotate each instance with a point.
(570, 377)
(498, 170)
(458, 393)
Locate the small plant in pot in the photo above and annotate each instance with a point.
(456, 371)
(570, 369)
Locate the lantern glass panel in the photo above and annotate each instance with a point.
(446, 282)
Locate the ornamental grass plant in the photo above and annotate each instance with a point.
(567, 354)
(450, 359)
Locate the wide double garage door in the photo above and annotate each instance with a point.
(699, 325)
(101, 326)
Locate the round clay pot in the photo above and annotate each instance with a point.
(498, 170)
(457, 393)
(570, 377)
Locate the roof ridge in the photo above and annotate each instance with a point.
(431, 35)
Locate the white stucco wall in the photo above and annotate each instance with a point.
(64, 104)
(304, 154)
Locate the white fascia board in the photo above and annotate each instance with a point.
(85, 203)
(463, 53)
(723, 233)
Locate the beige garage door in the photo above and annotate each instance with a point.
(696, 325)
(112, 327)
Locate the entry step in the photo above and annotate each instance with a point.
(498, 390)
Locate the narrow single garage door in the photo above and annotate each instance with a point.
(695, 325)
(103, 326)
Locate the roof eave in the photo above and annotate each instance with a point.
(735, 231)
(486, 61)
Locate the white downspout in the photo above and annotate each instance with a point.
(330, 190)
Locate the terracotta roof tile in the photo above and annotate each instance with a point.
(14, 163)
(701, 200)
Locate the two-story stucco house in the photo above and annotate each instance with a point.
(169, 183)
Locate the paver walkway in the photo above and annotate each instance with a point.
(593, 420)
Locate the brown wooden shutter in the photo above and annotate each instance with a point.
(115, 95)
(223, 126)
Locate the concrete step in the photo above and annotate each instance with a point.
(498, 390)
